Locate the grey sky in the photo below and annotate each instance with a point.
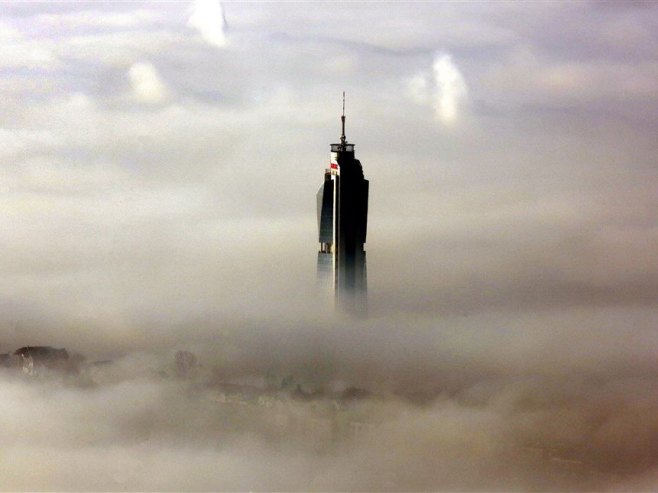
(152, 173)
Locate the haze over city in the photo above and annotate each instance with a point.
(160, 162)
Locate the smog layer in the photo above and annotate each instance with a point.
(376, 407)
(160, 326)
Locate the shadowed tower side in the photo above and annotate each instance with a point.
(342, 223)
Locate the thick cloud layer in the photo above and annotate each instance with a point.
(474, 409)
(159, 165)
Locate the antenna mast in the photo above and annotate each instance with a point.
(343, 140)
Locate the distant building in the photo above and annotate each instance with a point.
(35, 357)
(185, 363)
(342, 203)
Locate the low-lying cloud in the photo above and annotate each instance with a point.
(371, 406)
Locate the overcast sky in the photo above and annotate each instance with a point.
(159, 162)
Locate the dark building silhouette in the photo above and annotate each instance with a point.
(34, 358)
(342, 224)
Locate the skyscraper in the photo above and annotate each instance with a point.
(342, 224)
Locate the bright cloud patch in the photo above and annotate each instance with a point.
(208, 18)
(418, 88)
(450, 87)
(444, 88)
(146, 83)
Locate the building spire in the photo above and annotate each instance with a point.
(343, 140)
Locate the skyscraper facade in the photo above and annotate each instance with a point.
(342, 203)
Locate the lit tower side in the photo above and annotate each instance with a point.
(342, 224)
